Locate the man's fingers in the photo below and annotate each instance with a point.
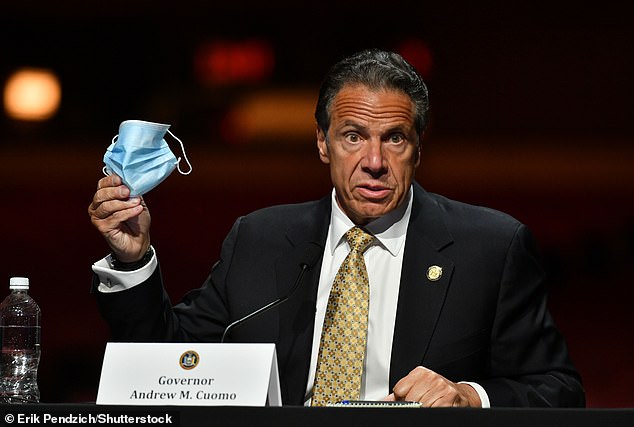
(109, 181)
(109, 188)
(116, 211)
(419, 392)
(441, 394)
(106, 195)
(404, 386)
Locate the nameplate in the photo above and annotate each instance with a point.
(189, 374)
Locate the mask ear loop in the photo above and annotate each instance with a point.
(178, 164)
(105, 168)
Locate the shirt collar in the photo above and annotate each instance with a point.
(390, 230)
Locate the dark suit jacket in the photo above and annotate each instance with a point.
(485, 320)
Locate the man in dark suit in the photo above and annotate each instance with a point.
(457, 311)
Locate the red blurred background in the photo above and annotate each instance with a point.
(531, 114)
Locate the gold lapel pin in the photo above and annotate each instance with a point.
(434, 273)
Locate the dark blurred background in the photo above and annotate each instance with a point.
(532, 114)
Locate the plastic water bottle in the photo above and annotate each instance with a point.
(20, 338)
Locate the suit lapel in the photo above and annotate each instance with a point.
(297, 315)
(422, 293)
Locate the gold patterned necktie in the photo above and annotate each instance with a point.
(345, 330)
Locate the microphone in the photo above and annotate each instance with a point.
(310, 257)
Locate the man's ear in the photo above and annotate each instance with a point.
(417, 155)
(322, 146)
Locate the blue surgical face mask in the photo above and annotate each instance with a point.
(141, 157)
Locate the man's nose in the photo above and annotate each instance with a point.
(373, 159)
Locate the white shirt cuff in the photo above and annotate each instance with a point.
(484, 397)
(111, 280)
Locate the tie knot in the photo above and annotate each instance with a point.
(358, 239)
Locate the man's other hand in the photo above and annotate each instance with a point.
(433, 390)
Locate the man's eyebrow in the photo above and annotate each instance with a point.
(396, 129)
(352, 124)
(348, 125)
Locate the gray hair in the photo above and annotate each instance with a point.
(375, 69)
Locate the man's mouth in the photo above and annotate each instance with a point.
(374, 192)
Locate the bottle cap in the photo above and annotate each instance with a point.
(19, 283)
